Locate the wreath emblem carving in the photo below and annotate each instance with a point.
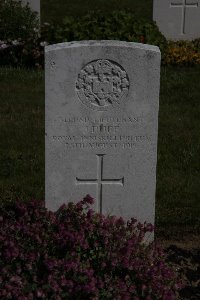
(102, 84)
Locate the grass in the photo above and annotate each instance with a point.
(178, 188)
(22, 134)
(54, 11)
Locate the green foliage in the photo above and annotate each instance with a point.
(118, 25)
(22, 45)
(55, 11)
(19, 35)
(17, 21)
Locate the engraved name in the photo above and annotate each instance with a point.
(79, 120)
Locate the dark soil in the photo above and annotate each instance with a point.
(187, 263)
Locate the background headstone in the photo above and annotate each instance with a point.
(34, 5)
(102, 101)
(178, 19)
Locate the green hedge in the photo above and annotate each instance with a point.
(119, 25)
(17, 21)
(21, 43)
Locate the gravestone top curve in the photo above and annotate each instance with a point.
(89, 43)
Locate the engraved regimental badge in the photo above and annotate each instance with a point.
(102, 84)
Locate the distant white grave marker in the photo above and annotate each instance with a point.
(34, 5)
(178, 19)
(184, 6)
(102, 100)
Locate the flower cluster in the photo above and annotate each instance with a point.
(76, 253)
(9, 43)
(29, 53)
(182, 53)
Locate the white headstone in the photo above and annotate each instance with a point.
(34, 5)
(102, 101)
(178, 19)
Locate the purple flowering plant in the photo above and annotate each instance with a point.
(76, 253)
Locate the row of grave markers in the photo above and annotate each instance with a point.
(176, 19)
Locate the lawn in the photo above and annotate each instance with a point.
(22, 134)
(22, 148)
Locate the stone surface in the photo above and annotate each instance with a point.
(102, 101)
(34, 5)
(178, 19)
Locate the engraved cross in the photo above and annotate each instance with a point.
(100, 181)
(184, 5)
